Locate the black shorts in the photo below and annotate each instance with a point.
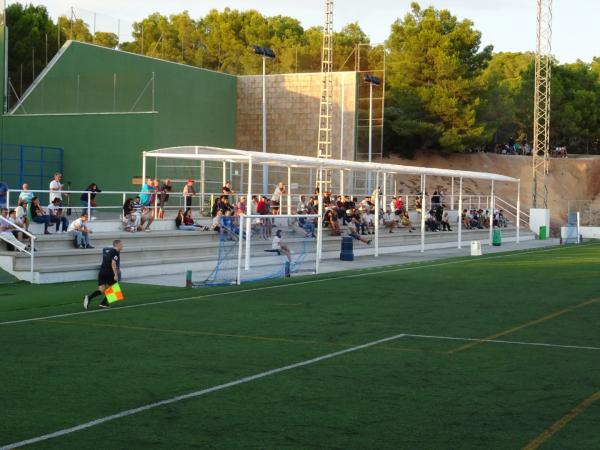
(275, 204)
(106, 279)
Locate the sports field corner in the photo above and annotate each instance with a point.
(499, 352)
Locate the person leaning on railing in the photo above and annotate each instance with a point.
(93, 189)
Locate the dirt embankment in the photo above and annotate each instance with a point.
(569, 179)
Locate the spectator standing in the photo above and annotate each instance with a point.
(276, 198)
(147, 193)
(163, 197)
(55, 212)
(56, 188)
(188, 193)
(81, 232)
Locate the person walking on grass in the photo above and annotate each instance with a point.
(109, 274)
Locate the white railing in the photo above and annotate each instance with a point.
(511, 210)
(21, 247)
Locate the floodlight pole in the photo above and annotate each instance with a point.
(265, 187)
(370, 133)
(320, 218)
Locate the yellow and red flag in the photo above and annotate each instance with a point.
(114, 293)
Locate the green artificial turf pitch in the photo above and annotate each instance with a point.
(414, 392)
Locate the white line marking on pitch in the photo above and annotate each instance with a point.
(499, 341)
(199, 393)
(281, 286)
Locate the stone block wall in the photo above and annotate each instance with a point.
(293, 113)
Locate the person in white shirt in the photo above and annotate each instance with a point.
(26, 195)
(389, 220)
(8, 232)
(276, 198)
(55, 212)
(279, 245)
(81, 232)
(56, 188)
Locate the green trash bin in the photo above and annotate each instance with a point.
(543, 233)
(497, 238)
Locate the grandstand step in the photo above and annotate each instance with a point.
(173, 252)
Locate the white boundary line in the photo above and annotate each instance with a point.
(220, 387)
(368, 272)
(495, 341)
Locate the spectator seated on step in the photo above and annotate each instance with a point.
(80, 231)
(38, 214)
(405, 221)
(431, 223)
(331, 221)
(131, 220)
(445, 222)
(8, 232)
(390, 220)
(55, 211)
(185, 221)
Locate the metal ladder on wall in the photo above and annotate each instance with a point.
(325, 106)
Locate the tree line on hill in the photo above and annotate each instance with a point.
(444, 91)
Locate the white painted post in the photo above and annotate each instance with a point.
(143, 168)
(519, 212)
(384, 198)
(248, 222)
(460, 209)
(289, 191)
(224, 173)
(343, 89)
(89, 200)
(377, 225)
(240, 248)
(452, 195)
(578, 227)
(342, 182)
(320, 218)
(423, 200)
(491, 210)
(202, 185)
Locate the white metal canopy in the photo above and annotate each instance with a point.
(253, 159)
(273, 159)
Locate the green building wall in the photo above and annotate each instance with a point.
(105, 107)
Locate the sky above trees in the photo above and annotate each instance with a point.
(509, 25)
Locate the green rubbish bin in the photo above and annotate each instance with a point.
(543, 233)
(497, 238)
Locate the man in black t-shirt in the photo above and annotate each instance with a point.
(109, 274)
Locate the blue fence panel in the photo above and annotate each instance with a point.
(34, 165)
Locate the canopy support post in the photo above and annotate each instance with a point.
(248, 222)
(289, 190)
(460, 208)
(519, 212)
(491, 215)
(423, 200)
(377, 219)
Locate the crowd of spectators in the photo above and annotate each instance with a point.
(342, 214)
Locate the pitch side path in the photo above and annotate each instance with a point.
(498, 352)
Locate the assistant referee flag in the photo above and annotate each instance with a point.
(114, 293)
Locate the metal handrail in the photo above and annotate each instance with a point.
(32, 239)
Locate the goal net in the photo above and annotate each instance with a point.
(257, 247)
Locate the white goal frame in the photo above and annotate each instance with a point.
(246, 227)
